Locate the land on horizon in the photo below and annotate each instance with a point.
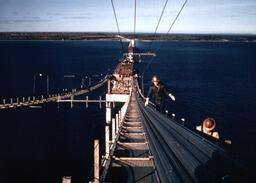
(113, 36)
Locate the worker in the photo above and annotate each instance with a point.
(159, 92)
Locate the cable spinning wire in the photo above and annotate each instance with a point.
(134, 19)
(159, 20)
(117, 25)
(158, 48)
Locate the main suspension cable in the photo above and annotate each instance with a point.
(117, 25)
(158, 48)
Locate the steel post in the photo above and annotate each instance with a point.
(96, 161)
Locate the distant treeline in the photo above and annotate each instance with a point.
(113, 36)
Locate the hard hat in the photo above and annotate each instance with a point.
(155, 79)
(209, 124)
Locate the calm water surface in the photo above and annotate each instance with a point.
(209, 79)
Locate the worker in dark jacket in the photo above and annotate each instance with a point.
(159, 92)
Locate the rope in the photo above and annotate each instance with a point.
(158, 48)
(117, 25)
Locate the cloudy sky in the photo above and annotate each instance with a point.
(199, 16)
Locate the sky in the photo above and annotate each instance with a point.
(199, 16)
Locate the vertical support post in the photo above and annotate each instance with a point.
(142, 83)
(117, 122)
(66, 179)
(4, 101)
(34, 98)
(11, 100)
(17, 100)
(113, 129)
(71, 102)
(108, 86)
(107, 141)
(23, 99)
(119, 117)
(28, 99)
(173, 115)
(42, 97)
(86, 102)
(182, 121)
(96, 161)
(100, 102)
(108, 113)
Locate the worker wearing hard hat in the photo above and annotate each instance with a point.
(159, 92)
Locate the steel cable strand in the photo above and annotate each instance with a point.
(158, 23)
(218, 169)
(215, 169)
(188, 161)
(184, 141)
(191, 163)
(215, 152)
(204, 145)
(158, 48)
(163, 168)
(117, 25)
(183, 175)
(157, 148)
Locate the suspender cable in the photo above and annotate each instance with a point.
(159, 20)
(117, 25)
(184, 4)
(134, 19)
(177, 16)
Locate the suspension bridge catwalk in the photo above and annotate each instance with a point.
(132, 154)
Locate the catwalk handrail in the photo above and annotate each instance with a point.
(140, 93)
(51, 98)
(107, 160)
(83, 91)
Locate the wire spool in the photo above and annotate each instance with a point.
(209, 124)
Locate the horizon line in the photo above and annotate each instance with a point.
(109, 32)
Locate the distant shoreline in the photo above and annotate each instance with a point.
(62, 36)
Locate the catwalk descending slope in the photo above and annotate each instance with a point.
(132, 160)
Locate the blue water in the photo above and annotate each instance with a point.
(208, 79)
